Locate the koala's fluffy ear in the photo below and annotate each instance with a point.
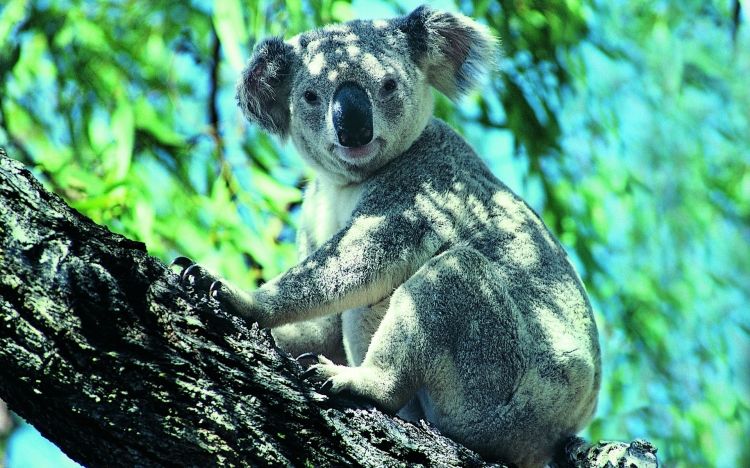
(263, 89)
(453, 50)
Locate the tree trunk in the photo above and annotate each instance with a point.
(110, 358)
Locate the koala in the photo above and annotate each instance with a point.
(424, 283)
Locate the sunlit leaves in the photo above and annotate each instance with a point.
(342, 11)
(662, 116)
(150, 121)
(123, 131)
(230, 28)
(10, 16)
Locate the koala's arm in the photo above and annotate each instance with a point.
(358, 266)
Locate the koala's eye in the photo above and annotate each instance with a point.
(311, 97)
(389, 86)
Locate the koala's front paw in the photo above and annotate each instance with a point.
(232, 299)
(194, 275)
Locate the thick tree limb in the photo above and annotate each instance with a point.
(111, 359)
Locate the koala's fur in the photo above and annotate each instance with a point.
(434, 290)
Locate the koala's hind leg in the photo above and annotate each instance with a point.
(390, 373)
(454, 331)
(418, 326)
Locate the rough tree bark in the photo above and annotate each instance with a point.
(112, 360)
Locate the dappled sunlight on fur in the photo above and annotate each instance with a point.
(445, 292)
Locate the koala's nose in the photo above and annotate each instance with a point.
(352, 115)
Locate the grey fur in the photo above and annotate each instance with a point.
(441, 289)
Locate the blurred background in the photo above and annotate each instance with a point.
(626, 124)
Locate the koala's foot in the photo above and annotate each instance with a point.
(369, 382)
(326, 369)
(203, 282)
(338, 377)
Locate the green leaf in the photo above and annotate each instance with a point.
(342, 11)
(10, 15)
(156, 124)
(123, 131)
(230, 28)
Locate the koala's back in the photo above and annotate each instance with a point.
(512, 356)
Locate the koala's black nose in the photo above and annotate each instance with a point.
(352, 115)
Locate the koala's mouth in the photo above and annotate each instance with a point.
(358, 154)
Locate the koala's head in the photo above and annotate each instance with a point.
(353, 96)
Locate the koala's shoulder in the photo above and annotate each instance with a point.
(440, 153)
(439, 139)
(434, 163)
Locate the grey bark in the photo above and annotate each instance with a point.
(110, 358)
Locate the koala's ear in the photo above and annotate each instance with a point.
(453, 50)
(263, 89)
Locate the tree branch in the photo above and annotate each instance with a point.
(110, 358)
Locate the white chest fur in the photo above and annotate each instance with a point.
(327, 208)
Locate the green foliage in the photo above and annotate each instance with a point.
(658, 142)
(624, 123)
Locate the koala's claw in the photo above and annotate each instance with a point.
(326, 387)
(184, 263)
(213, 290)
(196, 276)
(306, 356)
(191, 273)
(309, 372)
